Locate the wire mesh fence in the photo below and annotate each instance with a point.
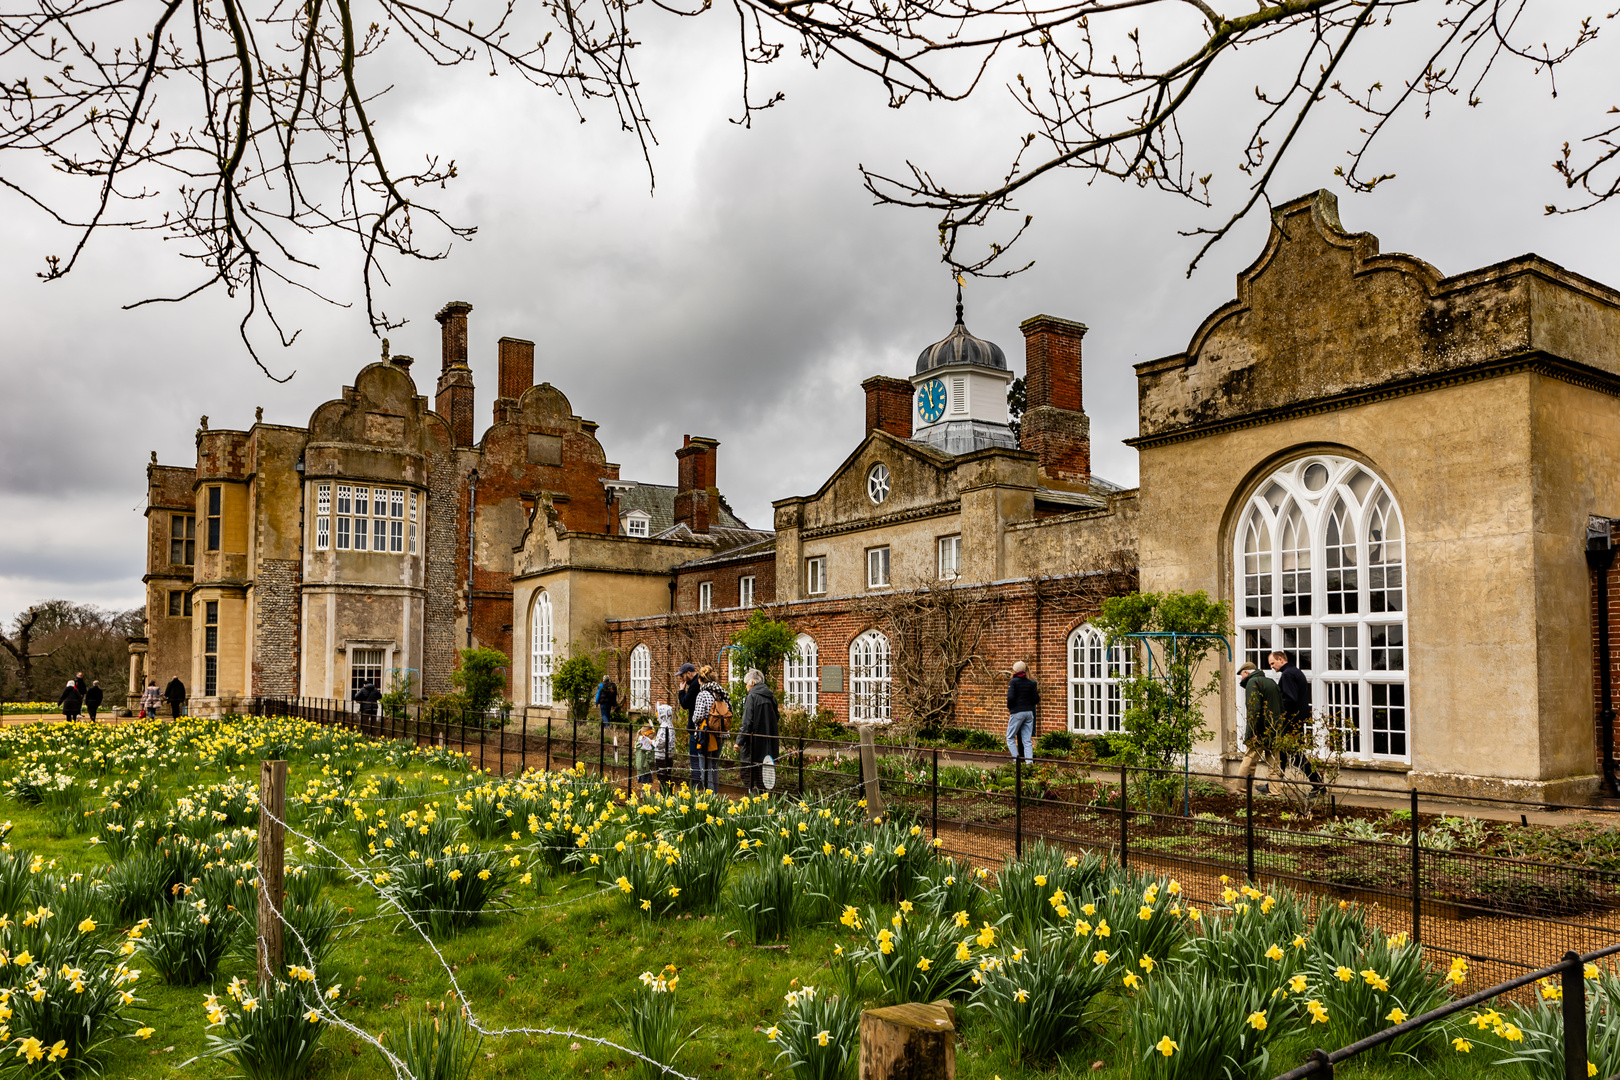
(1478, 881)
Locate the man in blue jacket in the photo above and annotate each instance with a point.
(1023, 697)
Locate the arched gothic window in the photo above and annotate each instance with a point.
(1095, 669)
(641, 677)
(540, 650)
(869, 677)
(801, 681)
(1336, 604)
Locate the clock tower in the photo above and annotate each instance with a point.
(961, 392)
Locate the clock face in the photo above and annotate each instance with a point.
(931, 400)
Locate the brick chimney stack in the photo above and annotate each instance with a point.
(516, 374)
(1054, 427)
(694, 484)
(454, 401)
(888, 405)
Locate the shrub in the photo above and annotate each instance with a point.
(435, 1046)
(186, 943)
(271, 1035)
(819, 1035)
(480, 677)
(654, 1029)
(982, 740)
(1055, 744)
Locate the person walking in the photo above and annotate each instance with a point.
(367, 697)
(71, 700)
(1263, 707)
(711, 715)
(607, 698)
(1296, 711)
(175, 692)
(756, 735)
(78, 680)
(687, 695)
(92, 700)
(150, 700)
(1023, 697)
(664, 748)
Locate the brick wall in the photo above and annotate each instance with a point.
(726, 578)
(275, 629)
(888, 405)
(1032, 622)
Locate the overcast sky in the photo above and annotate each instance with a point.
(745, 300)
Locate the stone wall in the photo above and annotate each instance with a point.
(275, 630)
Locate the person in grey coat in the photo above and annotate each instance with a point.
(757, 734)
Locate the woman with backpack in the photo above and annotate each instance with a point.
(711, 719)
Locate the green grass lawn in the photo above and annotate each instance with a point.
(567, 951)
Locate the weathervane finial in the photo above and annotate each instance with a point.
(958, 298)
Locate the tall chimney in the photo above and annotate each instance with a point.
(516, 374)
(888, 405)
(1054, 427)
(693, 462)
(454, 400)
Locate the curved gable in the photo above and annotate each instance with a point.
(1322, 314)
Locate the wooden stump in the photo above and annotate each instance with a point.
(869, 774)
(909, 1042)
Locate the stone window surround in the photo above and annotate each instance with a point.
(390, 649)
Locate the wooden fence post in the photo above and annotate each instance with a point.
(869, 773)
(272, 860)
(909, 1042)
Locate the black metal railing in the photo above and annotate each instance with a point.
(984, 807)
(1572, 1005)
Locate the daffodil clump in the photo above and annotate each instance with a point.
(655, 1030)
(64, 989)
(273, 1032)
(818, 1033)
(1531, 1034)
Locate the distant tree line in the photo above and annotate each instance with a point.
(45, 646)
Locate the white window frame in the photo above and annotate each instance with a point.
(323, 516)
(637, 523)
(365, 663)
(705, 596)
(801, 677)
(877, 567)
(745, 591)
(641, 677)
(362, 521)
(541, 650)
(412, 549)
(950, 557)
(1096, 704)
(1371, 705)
(869, 677)
(341, 510)
(815, 575)
(396, 521)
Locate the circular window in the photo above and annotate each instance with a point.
(877, 483)
(1315, 476)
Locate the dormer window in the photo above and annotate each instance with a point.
(637, 523)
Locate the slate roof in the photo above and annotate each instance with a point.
(658, 500)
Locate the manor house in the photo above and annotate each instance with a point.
(1406, 480)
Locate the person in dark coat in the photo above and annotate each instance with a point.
(687, 695)
(1023, 697)
(78, 680)
(71, 700)
(607, 698)
(92, 700)
(1263, 706)
(756, 735)
(368, 696)
(175, 693)
(1296, 695)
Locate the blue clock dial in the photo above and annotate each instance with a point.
(931, 400)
